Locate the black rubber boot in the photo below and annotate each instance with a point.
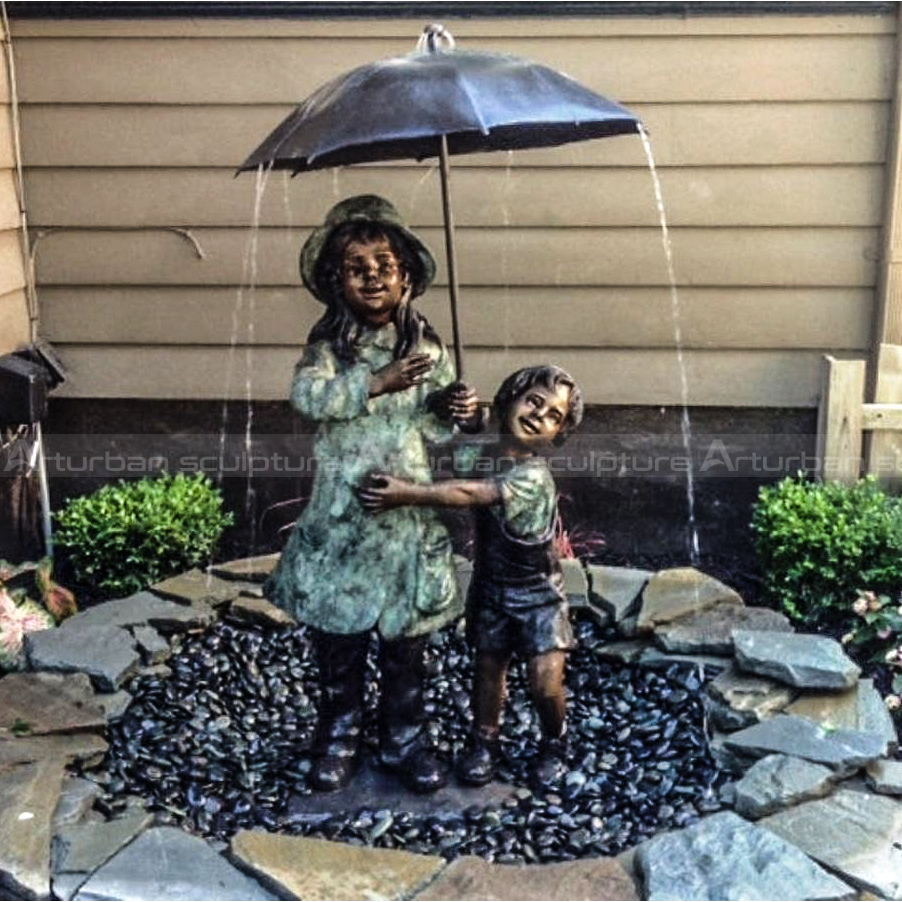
(336, 744)
(477, 767)
(550, 765)
(403, 743)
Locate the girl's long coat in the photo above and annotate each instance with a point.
(344, 570)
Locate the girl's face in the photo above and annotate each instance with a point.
(372, 280)
(536, 417)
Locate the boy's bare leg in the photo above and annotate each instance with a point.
(546, 684)
(477, 767)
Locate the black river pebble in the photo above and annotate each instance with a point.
(224, 741)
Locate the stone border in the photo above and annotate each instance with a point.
(809, 742)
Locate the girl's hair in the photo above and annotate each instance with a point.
(338, 325)
(549, 377)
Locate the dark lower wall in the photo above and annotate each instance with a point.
(623, 478)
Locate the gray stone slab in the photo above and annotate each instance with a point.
(469, 878)
(711, 632)
(65, 886)
(28, 797)
(778, 781)
(145, 608)
(725, 857)
(49, 703)
(165, 864)
(797, 659)
(197, 587)
(84, 848)
(709, 664)
(255, 569)
(76, 798)
(153, 647)
(859, 708)
(843, 750)
(298, 867)
(885, 777)
(752, 698)
(107, 654)
(617, 590)
(855, 834)
(83, 748)
(114, 704)
(575, 580)
(684, 590)
(626, 652)
(259, 610)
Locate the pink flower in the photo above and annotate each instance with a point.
(885, 633)
(893, 702)
(860, 607)
(874, 603)
(891, 656)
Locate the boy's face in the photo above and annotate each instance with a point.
(537, 416)
(372, 281)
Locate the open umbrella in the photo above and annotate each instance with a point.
(439, 101)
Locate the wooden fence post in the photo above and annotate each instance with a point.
(839, 420)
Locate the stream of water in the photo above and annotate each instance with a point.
(675, 313)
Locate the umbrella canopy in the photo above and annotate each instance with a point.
(438, 101)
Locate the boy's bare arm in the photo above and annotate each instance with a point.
(381, 492)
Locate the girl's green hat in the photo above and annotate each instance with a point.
(362, 208)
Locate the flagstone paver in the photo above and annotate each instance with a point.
(885, 777)
(683, 590)
(48, 703)
(752, 698)
(28, 797)
(474, 878)
(797, 659)
(617, 590)
(144, 608)
(856, 834)
(843, 750)
(711, 631)
(168, 865)
(76, 798)
(313, 869)
(107, 654)
(778, 781)
(255, 569)
(84, 748)
(259, 610)
(725, 857)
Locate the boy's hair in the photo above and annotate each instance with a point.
(550, 377)
(338, 325)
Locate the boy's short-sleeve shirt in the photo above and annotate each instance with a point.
(528, 498)
(528, 495)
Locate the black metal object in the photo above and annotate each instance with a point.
(23, 391)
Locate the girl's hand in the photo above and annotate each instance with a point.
(401, 374)
(381, 492)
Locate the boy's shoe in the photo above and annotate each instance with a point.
(477, 767)
(550, 765)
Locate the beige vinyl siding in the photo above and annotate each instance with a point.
(14, 317)
(769, 133)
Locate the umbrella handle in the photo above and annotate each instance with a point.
(450, 253)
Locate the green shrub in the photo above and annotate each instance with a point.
(819, 543)
(125, 537)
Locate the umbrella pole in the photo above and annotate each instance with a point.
(450, 254)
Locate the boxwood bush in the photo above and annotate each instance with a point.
(819, 544)
(127, 536)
